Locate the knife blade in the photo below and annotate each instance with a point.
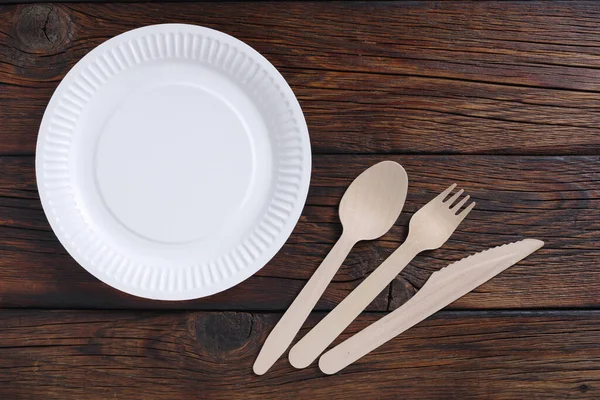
(442, 288)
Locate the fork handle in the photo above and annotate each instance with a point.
(288, 326)
(334, 323)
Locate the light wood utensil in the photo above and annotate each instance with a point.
(368, 209)
(429, 229)
(442, 288)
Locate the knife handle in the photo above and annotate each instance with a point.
(324, 333)
(288, 326)
(374, 336)
(433, 296)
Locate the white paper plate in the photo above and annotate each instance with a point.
(173, 161)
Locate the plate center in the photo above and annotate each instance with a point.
(174, 163)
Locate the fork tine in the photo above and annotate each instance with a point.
(445, 193)
(465, 212)
(460, 203)
(452, 199)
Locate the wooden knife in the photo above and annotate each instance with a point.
(443, 287)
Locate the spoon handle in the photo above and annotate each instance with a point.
(288, 326)
(334, 323)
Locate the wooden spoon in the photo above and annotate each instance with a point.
(368, 210)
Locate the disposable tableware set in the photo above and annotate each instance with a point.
(368, 210)
(173, 162)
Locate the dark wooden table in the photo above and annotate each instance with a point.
(501, 97)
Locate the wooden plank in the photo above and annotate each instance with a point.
(554, 199)
(482, 78)
(153, 355)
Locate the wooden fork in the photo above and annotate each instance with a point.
(429, 229)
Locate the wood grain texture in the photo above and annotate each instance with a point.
(372, 77)
(153, 355)
(500, 97)
(554, 199)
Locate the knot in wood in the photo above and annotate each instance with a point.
(221, 334)
(402, 290)
(42, 28)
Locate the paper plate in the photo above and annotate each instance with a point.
(173, 161)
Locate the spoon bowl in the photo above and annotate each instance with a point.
(373, 201)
